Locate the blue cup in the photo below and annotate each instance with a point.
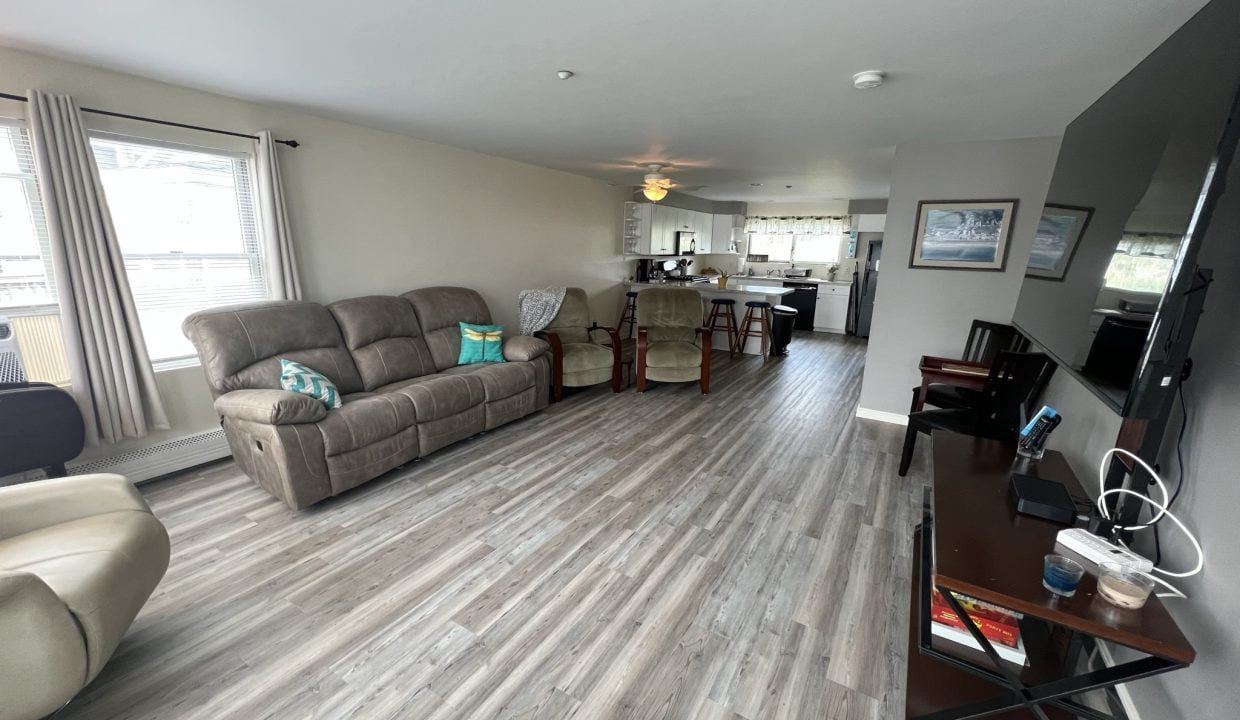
(1061, 575)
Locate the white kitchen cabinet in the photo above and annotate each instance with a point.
(702, 230)
(870, 223)
(638, 228)
(831, 309)
(663, 233)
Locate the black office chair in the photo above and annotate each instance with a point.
(986, 340)
(40, 427)
(1014, 383)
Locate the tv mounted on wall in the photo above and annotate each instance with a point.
(1112, 289)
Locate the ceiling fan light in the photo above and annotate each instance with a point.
(654, 192)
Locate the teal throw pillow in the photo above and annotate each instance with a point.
(301, 379)
(481, 344)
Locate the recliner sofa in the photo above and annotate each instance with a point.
(394, 362)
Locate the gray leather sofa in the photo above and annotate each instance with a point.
(393, 360)
(79, 556)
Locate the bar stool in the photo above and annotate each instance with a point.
(721, 309)
(762, 317)
(628, 314)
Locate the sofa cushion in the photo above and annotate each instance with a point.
(673, 355)
(499, 380)
(241, 345)
(523, 348)
(384, 337)
(440, 310)
(303, 380)
(579, 357)
(103, 567)
(364, 421)
(439, 396)
(573, 318)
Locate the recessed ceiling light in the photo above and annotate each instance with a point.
(867, 79)
(564, 74)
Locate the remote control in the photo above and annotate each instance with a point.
(1097, 550)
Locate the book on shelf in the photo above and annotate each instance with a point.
(998, 625)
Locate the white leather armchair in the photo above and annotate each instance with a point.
(79, 556)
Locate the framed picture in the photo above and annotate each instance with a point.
(1059, 231)
(962, 234)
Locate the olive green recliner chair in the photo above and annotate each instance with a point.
(672, 345)
(578, 356)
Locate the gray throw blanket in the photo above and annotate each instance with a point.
(538, 307)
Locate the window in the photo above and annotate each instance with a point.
(823, 249)
(1143, 262)
(186, 222)
(27, 285)
(816, 248)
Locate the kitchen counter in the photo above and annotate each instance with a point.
(714, 289)
(760, 279)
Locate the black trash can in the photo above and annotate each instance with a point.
(783, 319)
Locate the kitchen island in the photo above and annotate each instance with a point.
(739, 292)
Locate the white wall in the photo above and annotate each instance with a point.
(375, 212)
(928, 311)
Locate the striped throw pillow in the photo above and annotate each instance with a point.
(301, 379)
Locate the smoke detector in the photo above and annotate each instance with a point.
(868, 79)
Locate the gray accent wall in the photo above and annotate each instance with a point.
(928, 311)
(1210, 502)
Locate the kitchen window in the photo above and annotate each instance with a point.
(820, 249)
(187, 226)
(1142, 262)
(27, 286)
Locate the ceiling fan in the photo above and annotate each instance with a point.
(655, 184)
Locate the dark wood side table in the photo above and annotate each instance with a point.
(972, 541)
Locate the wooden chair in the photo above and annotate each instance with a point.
(952, 383)
(672, 345)
(1012, 385)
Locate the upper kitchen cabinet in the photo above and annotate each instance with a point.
(650, 229)
(638, 226)
(869, 223)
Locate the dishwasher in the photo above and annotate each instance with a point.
(804, 298)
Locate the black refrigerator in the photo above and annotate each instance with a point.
(861, 294)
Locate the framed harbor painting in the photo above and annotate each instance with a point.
(962, 234)
(1059, 230)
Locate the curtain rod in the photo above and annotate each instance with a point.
(109, 113)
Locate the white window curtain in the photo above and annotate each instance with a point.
(279, 257)
(109, 368)
(796, 225)
(1159, 245)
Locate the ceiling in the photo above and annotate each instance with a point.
(730, 93)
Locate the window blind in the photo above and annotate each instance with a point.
(186, 222)
(27, 284)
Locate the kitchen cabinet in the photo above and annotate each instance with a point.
(831, 309)
(650, 229)
(663, 230)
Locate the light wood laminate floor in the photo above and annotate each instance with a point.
(666, 555)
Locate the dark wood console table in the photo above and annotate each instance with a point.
(972, 541)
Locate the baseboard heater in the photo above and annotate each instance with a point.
(154, 461)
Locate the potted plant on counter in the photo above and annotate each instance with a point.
(832, 270)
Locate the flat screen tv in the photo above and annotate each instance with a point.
(1112, 289)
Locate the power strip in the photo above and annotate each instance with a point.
(1097, 550)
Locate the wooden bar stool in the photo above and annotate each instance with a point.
(721, 309)
(628, 314)
(757, 311)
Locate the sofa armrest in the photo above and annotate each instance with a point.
(271, 407)
(43, 503)
(43, 653)
(523, 348)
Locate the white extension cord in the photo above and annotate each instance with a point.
(1162, 512)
